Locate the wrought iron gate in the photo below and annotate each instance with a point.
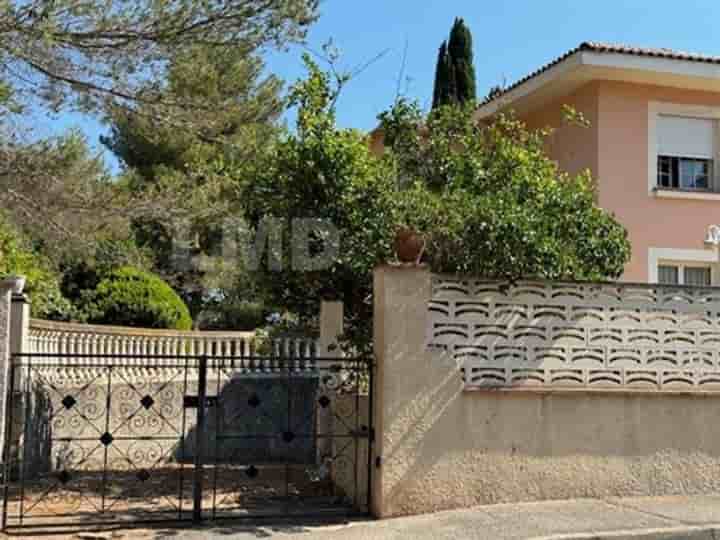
(96, 439)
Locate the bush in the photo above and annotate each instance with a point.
(132, 297)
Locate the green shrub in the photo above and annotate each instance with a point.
(132, 297)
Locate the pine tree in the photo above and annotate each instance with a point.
(455, 72)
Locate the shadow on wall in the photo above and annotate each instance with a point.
(258, 420)
(451, 449)
(452, 439)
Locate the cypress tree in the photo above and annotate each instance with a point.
(461, 55)
(454, 71)
(442, 74)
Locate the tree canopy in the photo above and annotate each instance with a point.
(97, 56)
(324, 172)
(184, 168)
(92, 52)
(183, 86)
(492, 203)
(486, 198)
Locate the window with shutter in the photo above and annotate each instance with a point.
(685, 149)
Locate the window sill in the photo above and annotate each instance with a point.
(686, 194)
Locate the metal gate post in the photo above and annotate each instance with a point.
(200, 432)
(7, 470)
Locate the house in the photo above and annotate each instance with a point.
(652, 145)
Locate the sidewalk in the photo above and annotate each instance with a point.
(646, 518)
(677, 518)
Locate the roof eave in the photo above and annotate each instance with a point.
(583, 66)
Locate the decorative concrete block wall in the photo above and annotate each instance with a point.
(577, 335)
(468, 411)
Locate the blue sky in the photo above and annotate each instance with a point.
(511, 38)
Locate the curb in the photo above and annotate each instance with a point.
(707, 532)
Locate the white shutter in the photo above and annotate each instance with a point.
(680, 136)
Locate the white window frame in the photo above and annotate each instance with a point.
(659, 108)
(682, 258)
(682, 266)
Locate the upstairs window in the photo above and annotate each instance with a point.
(684, 173)
(685, 153)
(680, 274)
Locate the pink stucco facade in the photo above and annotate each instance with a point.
(616, 149)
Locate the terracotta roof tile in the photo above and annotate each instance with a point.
(612, 48)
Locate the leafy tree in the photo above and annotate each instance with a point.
(455, 71)
(239, 119)
(18, 258)
(325, 172)
(94, 51)
(56, 188)
(97, 55)
(491, 203)
(486, 198)
(240, 108)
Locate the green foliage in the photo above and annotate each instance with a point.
(132, 297)
(455, 70)
(98, 51)
(17, 258)
(326, 172)
(441, 89)
(237, 103)
(82, 270)
(233, 313)
(460, 51)
(491, 203)
(486, 197)
(238, 119)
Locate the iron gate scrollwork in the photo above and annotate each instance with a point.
(96, 439)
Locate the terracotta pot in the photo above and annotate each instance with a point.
(409, 245)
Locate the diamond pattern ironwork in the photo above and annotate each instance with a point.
(254, 401)
(282, 427)
(106, 439)
(147, 402)
(68, 402)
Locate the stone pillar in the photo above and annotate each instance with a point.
(400, 297)
(331, 326)
(19, 324)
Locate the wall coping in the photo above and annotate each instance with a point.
(54, 326)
